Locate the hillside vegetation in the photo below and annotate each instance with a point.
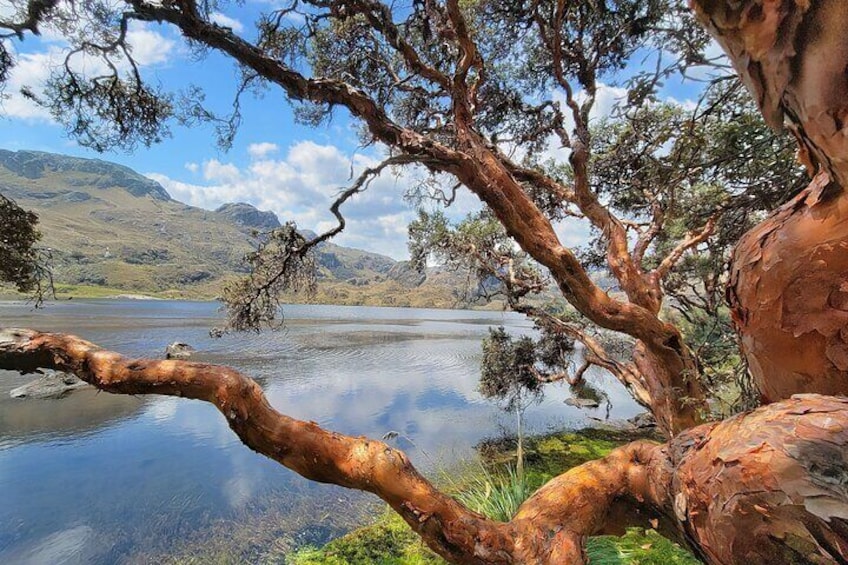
(111, 230)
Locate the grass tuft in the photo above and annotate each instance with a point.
(496, 495)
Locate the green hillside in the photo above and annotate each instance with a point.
(109, 227)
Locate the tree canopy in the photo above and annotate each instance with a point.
(21, 263)
(499, 99)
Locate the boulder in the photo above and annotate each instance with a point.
(53, 384)
(643, 421)
(179, 350)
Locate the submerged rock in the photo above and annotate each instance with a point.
(53, 384)
(179, 350)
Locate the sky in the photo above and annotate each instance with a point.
(275, 164)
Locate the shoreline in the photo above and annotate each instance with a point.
(66, 292)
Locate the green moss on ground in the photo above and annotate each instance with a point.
(390, 541)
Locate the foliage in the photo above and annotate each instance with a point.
(675, 168)
(22, 263)
(282, 263)
(479, 245)
(389, 541)
(18, 236)
(508, 370)
(637, 547)
(442, 84)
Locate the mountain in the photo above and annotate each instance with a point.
(108, 226)
(247, 217)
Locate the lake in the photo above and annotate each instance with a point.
(100, 478)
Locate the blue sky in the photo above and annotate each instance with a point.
(274, 163)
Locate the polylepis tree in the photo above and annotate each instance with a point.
(473, 93)
(789, 286)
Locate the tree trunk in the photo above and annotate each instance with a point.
(789, 275)
(519, 455)
(770, 486)
(789, 294)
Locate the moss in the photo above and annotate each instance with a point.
(637, 547)
(549, 456)
(390, 541)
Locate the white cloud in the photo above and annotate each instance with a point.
(224, 20)
(31, 69)
(606, 100)
(260, 150)
(149, 48)
(215, 171)
(573, 232)
(302, 185)
(192, 167)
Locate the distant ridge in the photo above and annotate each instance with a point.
(246, 215)
(108, 226)
(102, 174)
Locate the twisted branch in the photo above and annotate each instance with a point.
(454, 532)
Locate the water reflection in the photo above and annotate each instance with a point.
(112, 477)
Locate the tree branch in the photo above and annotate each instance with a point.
(692, 240)
(379, 15)
(650, 234)
(359, 185)
(37, 10)
(480, 169)
(299, 87)
(450, 529)
(626, 373)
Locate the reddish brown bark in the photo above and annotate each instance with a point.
(768, 486)
(765, 487)
(789, 292)
(788, 284)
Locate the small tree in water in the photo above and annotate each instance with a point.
(508, 377)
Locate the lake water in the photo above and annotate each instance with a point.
(100, 478)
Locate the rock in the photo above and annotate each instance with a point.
(407, 275)
(643, 420)
(179, 350)
(245, 215)
(53, 384)
(582, 402)
(195, 277)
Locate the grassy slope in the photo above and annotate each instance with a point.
(107, 241)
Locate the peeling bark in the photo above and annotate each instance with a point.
(789, 294)
(791, 54)
(770, 486)
(789, 275)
